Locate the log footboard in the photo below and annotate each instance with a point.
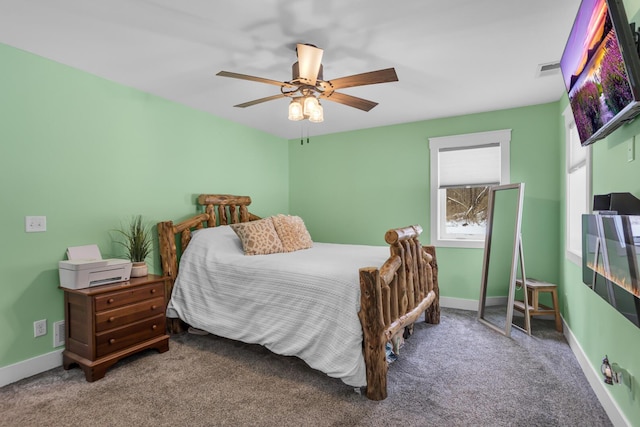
(393, 297)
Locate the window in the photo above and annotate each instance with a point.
(463, 167)
(578, 177)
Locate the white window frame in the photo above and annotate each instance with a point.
(438, 198)
(573, 224)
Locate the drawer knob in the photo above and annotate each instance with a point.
(110, 301)
(112, 341)
(154, 327)
(111, 319)
(153, 307)
(153, 291)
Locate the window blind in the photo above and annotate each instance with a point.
(469, 166)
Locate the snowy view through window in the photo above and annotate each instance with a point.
(467, 210)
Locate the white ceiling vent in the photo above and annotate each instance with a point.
(547, 69)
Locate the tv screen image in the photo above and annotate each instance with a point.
(600, 68)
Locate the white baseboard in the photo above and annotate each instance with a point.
(27, 368)
(596, 381)
(459, 303)
(469, 304)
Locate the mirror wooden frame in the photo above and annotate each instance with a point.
(495, 216)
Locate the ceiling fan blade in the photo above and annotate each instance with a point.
(253, 78)
(370, 78)
(351, 101)
(260, 101)
(309, 62)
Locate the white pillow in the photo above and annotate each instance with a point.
(221, 237)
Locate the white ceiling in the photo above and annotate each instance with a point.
(452, 57)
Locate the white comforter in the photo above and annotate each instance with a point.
(303, 303)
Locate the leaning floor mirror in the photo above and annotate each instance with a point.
(502, 257)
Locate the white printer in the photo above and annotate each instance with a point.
(85, 268)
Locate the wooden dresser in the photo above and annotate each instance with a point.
(106, 323)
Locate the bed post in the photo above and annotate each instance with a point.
(169, 260)
(168, 252)
(373, 333)
(432, 314)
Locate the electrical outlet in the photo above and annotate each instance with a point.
(631, 150)
(39, 328)
(58, 333)
(34, 224)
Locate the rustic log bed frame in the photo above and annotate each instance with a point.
(393, 296)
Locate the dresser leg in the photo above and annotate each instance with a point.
(67, 362)
(94, 373)
(163, 346)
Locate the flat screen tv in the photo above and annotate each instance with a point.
(601, 69)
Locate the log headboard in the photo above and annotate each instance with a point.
(219, 209)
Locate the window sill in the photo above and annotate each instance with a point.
(574, 258)
(465, 244)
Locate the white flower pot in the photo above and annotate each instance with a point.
(139, 269)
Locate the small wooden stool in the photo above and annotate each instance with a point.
(534, 287)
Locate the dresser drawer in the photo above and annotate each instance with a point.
(110, 319)
(119, 338)
(128, 296)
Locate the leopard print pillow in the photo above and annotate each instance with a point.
(293, 233)
(258, 237)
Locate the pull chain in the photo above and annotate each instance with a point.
(302, 135)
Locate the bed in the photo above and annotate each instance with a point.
(304, 303)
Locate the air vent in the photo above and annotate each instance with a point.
(58, 333)
(548, 69)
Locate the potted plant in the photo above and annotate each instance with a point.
(137, 242)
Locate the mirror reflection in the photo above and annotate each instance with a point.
(503, 250)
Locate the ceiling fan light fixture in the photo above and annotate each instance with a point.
(310, 105)
(295, 110)
(307, 86)
(317, 115)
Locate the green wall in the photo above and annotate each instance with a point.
(89, 154)
(599, 328)
(352, 187)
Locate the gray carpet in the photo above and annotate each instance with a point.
(458, 373)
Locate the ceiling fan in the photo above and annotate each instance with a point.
(307, 86)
